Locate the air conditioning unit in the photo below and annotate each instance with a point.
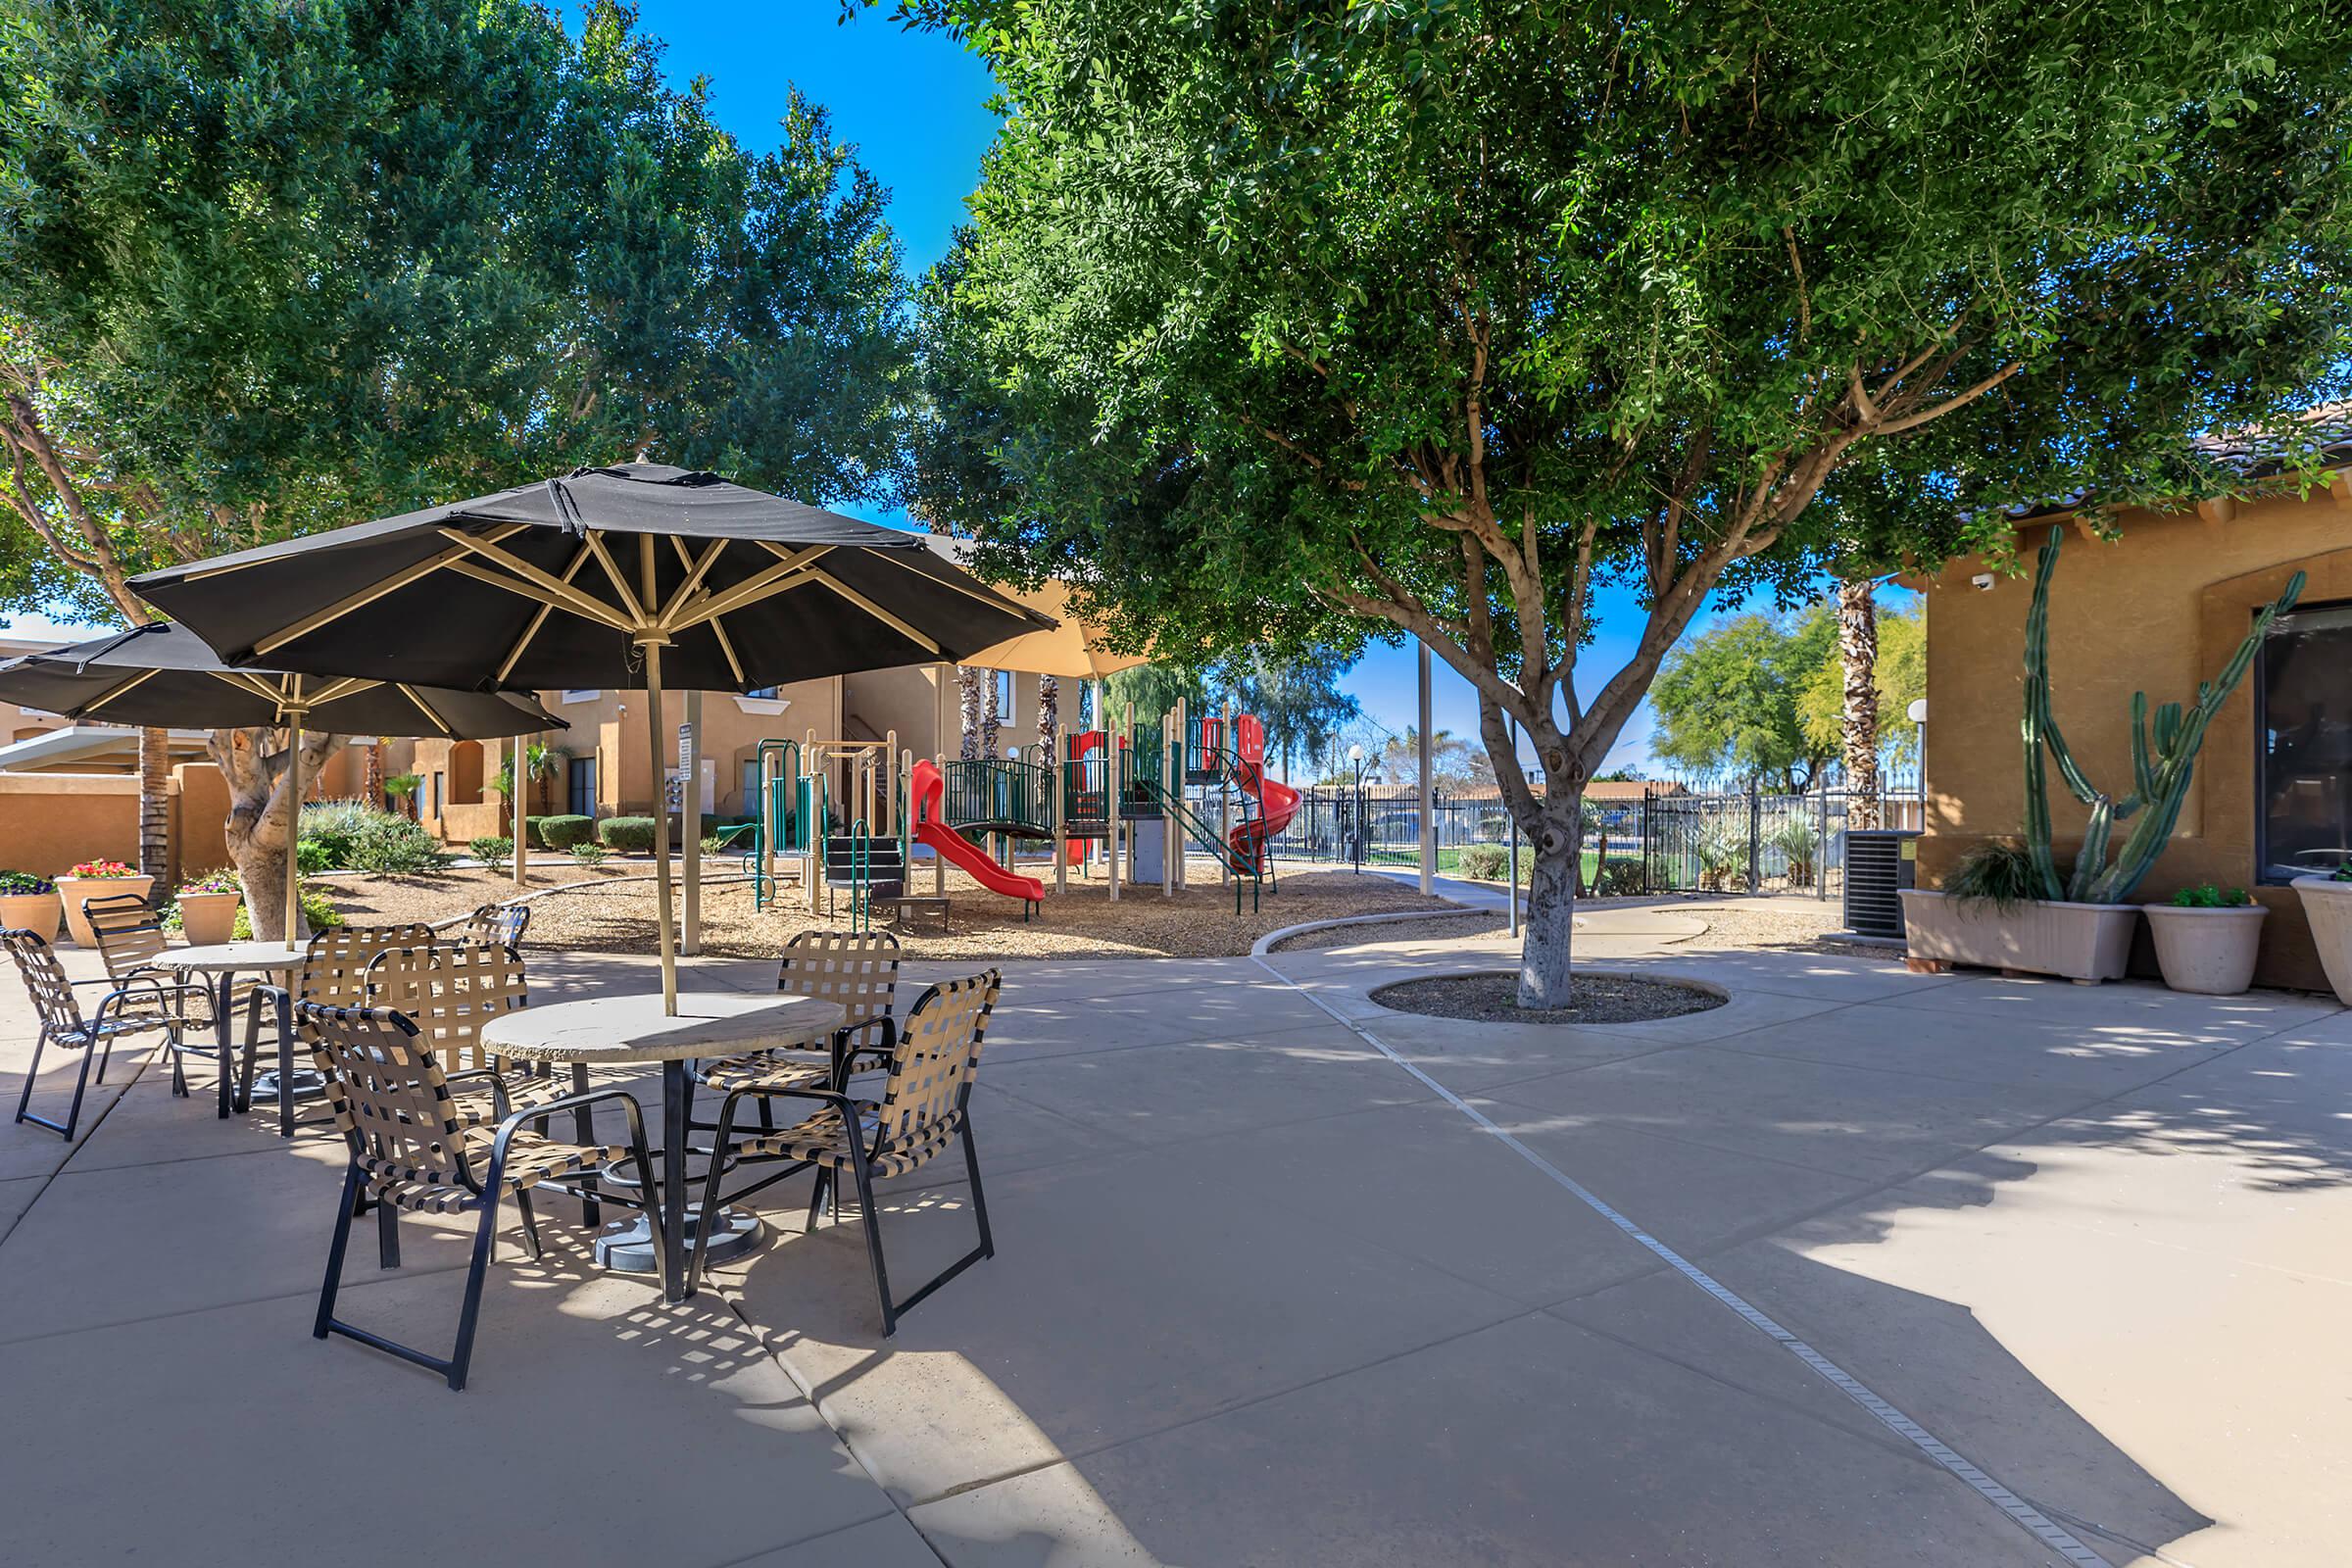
(1880, 862)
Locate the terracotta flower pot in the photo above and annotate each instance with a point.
(72, 890)
(2328, 905)
(2081, 941)
(207, 919)
(36, 912)
(2210, 953)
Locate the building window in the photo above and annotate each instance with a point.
(2304, 686)
(436, 795)
(1004, 699)
(764, 692)
(580, 786)
(582, 697)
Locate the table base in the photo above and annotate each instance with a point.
(307, 1085)
(626, 1246)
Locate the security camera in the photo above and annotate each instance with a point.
(1982, 582)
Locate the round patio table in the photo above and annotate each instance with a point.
(613, 1030)
(222, 962)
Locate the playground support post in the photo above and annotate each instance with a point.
(690, 809)
(1170, 852)
(1428, 797)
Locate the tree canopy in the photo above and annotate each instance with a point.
(1294, 325)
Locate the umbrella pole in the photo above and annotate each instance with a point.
(518, 804)
(661, 899)
(293, 926)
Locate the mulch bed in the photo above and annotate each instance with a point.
(1494, 997)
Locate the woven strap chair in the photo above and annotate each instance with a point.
(924, 1110)
(333, 974)
(144, 1002)
(858, 969)
(450, 991)
(412, 1150)
(502, 923)
(131, 938)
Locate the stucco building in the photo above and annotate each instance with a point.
(2159, 609)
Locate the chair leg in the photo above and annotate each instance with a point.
(352, 1196)
(530, 1223)
(583, 1126)
(707, 1220)
(106, 1056)
(971, 1165)
(872, 1216)
(816, 1197)
(33, 1071)
(388, 1234)
(485, 1245)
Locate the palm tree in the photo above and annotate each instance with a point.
(968, 689)
(1858, 652)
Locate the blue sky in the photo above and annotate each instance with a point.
(914, 106)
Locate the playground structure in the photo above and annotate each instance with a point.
(846, 815)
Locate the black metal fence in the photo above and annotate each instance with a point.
(1665, 841)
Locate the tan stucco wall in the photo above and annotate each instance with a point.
(2158, 610)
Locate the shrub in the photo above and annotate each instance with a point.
(314, 909)
(14, 884)
(562, 832)
(1800, 843)
(1484, 862)
(589, 853)
(354, 836)
(631, 835)
(1723, 856)
(492, 850)
(1619, 877)
(2209, 896)
(1998, 874)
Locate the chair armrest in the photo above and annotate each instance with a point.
(497, 1087)
(515, 1119)
(137, 989)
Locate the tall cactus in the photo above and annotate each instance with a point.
(2164, 756)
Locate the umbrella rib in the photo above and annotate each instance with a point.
(246, 681)
(760, 585)
(993, 600)
(697, 571)
(550, 588)
(539, 618)
(423, 707)
(604, 559)
(348, 686)
(368, 594)
(877, 612)
(113, 692)
(718, 629)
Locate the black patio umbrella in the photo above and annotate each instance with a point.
(632, 577)
(166, 675)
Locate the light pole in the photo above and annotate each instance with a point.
(1355, 759)
(1917, 713)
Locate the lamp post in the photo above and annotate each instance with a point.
(1917, 713)
(1355, 759)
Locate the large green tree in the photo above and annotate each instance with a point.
(266, 266)
(1291, 323)
(1727, 700)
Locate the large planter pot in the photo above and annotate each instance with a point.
(2328, 905)
(2081, 941)
(2208, 951)
(36, 912)
(207, 919)
(71, 889)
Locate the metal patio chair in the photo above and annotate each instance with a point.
(858, 969)
(63, 1024)
(333, 974)
(131, 938)
(412, 1151)
(924, 1109)
(502, 923)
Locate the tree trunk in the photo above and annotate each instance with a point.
(1858, 651)
(372, 788)
(991, 715)
(967, 691)
(259, 810)
(1550, 928)
(155, 807)
(1049, 715)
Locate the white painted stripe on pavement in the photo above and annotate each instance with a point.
(2029, 1518)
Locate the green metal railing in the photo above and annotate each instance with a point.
(998, 795)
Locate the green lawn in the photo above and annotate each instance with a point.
(1450, 861)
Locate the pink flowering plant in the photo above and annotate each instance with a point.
(100, 870)
(220, 881)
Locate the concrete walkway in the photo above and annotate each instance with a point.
(1267, 1292)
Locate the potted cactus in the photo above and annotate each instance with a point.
(208, 907)
(2078, 924)
(96, 879)
(29, 902)
(2328, 905)
(2207, 939)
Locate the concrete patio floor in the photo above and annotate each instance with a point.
(1264, 1296)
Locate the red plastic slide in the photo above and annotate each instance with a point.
(929, 791)
(1277, 801)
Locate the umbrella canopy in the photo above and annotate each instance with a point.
(637, 575)
(1073, 647)
(566, 583)
(166, 675)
